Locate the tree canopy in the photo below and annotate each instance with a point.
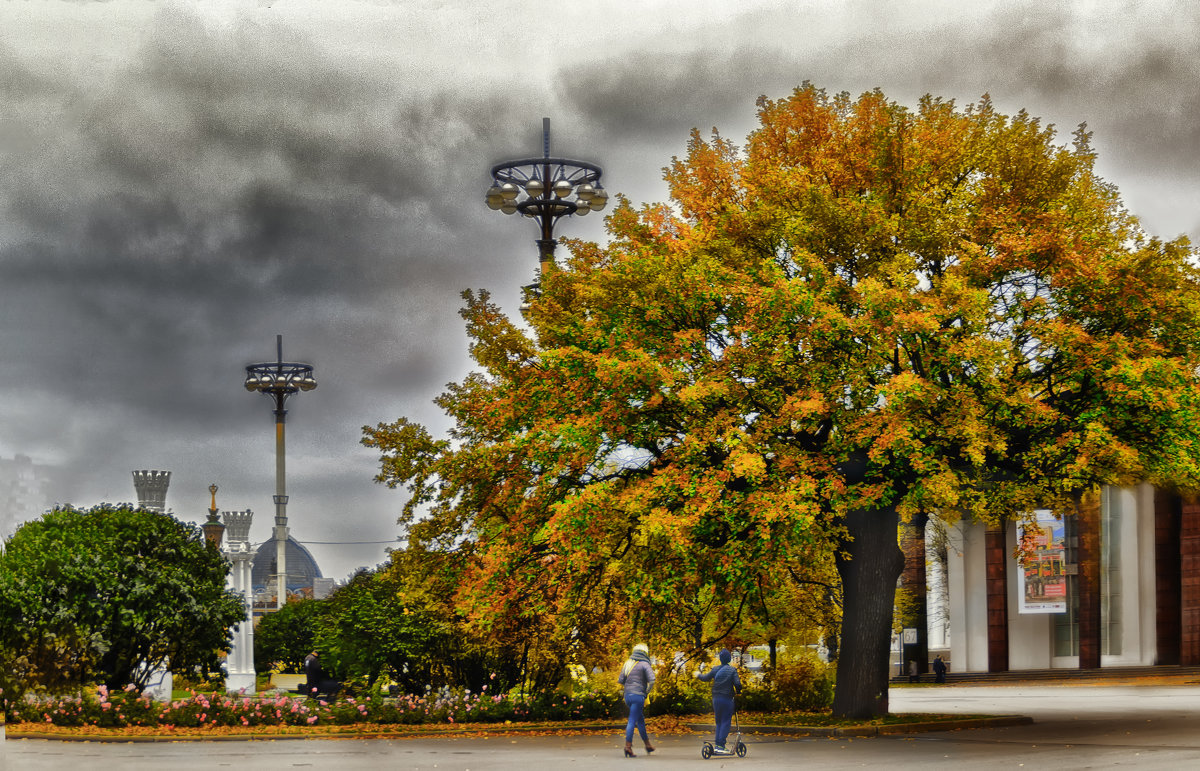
(110, 594)
(866, 313)
(283, 638)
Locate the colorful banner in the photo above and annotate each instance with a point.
(1042, 572)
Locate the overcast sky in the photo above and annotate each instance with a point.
(180, 181)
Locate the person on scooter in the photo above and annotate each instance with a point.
(725, 685)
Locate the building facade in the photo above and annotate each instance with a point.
(302, 573)
(1118, 585)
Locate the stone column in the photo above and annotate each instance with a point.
(239, 665)
(151, 488)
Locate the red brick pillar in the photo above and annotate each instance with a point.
(1189, 583)
(995, 548)
(1087, 509)
(1166, 577)
(912, 543)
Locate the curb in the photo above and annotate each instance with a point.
(153, 738)
(998, 721)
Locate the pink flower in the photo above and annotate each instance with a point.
(312, 720)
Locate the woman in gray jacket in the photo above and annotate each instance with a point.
(638, 678)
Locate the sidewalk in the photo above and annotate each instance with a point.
(1156, 675)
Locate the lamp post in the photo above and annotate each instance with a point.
(279, 380)
(541, 189)
(212, 527)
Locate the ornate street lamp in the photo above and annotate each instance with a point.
(542, 189)
(279, 380)
(213, 529)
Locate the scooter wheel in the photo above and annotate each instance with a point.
(706, 751)
(741, 750)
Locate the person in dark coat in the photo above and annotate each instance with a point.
(637, 676)
(725, 684)
(317, 683)
(939, 670)
(312, 674)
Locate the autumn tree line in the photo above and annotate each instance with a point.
(709, 431)
(713, 426)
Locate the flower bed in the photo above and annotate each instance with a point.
(125, 709)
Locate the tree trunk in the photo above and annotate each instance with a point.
(869, 566)
(772, 645)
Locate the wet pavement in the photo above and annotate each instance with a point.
(1152, 725)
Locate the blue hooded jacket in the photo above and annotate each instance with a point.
(725, 679)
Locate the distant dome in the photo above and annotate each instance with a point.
(301, 567)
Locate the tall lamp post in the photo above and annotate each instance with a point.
(279, 380)
(541, 189)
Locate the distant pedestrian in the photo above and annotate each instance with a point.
(914, 673)
(725, 684)
(939, 670)
(317, 683)
(312, 674)
(638, 678)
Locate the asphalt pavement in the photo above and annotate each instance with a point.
(1078, 726)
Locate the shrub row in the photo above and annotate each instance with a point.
(798, 687)
(128, 708)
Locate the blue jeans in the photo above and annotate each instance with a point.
(723, 712)
(637, 705)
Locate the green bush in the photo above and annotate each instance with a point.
(802, 682)
(758, 695)
(679, 693)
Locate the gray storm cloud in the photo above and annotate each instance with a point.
(173, 199)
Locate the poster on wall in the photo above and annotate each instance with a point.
(1042, 573)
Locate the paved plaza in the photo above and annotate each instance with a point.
(1076, 727)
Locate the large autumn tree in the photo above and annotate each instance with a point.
(866, 314)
